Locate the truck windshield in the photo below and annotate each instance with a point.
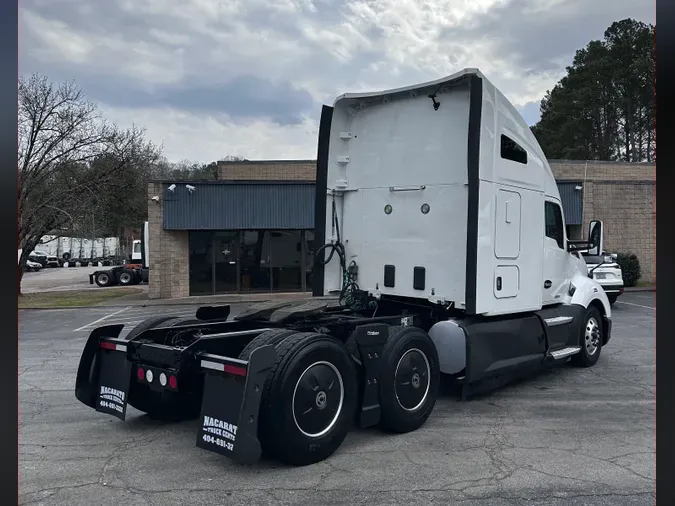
(137, 247)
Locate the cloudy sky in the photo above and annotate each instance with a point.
(211, 78)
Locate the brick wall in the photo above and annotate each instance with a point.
(622, 195)
(268, 170)
(169, 252)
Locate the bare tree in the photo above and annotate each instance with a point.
(67, 155)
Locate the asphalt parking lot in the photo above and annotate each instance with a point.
(567, 436)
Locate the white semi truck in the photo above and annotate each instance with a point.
(133, 272)
(444, 253)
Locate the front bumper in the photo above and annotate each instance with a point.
(612, 289)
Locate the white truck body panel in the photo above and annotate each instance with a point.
(482, 244)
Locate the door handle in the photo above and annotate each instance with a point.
(547, 283)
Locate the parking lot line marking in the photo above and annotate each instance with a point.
(631, 304)
(83, 327)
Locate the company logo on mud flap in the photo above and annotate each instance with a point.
(111, 398)
(373, 333)
(215, 429)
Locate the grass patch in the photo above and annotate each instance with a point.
(71, 298)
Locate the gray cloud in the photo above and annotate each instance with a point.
(277, 60)
(538, 40)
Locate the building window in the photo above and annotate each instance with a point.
(511, 150)
(554, 223)
(286, 260)
(200, 262)
(254, 261)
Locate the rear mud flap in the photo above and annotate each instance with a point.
(231, 403)
(89, 369)
(114, 379)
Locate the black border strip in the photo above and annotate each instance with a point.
(320, 197)
(473, 173)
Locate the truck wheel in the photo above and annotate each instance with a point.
(409, 379)
(308, 406)
(590, 339)
(126, 277)
(103, 279)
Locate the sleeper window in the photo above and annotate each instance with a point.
(554, 223)
(511, 150)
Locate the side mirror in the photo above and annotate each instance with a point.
(595, 238)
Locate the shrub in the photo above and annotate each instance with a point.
(630, 268)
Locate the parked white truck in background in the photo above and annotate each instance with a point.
(132, 272)
(444, 252)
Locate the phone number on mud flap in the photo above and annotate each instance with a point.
(110, 405)
(218, 442)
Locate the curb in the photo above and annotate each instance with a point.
(639, 289)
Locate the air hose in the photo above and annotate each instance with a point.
(349, 294)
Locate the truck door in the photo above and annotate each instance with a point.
(555, 281)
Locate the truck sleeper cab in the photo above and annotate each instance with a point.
(444, 252)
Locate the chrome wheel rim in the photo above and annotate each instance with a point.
(103, 278)
(412, 380)
(125, 278)
(318, 398)
(592, 336)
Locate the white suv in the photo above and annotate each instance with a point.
(607, 273)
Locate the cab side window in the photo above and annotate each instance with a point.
(554, 223)
(511, 150)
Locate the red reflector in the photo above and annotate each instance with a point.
(173, 382)
(233, 369)
(108, 346)
(621, 291)
(141, 374)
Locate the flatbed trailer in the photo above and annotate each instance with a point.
(486, 288)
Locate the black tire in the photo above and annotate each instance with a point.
(612, 299)
(150, 323)
(409, 359)
(186, 321)
(126, 277)
(103, 279)
(590, 339)
(330, 412)
(271, 337)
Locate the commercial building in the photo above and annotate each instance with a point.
(252, 230)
